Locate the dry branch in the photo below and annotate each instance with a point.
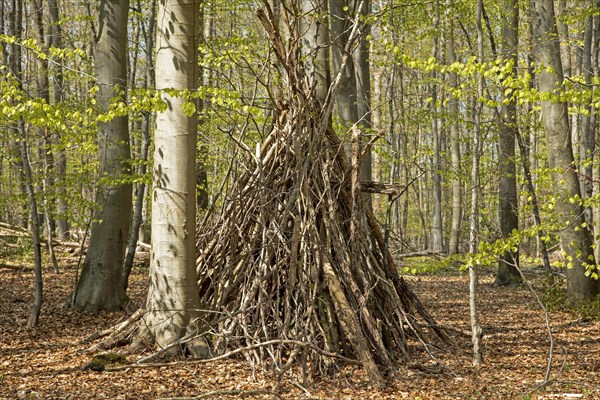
(380, 187)
(143, 363)
(296, 255)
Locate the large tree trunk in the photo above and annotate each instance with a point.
(508, 215)
(100, 286)
(576, 239)
(346, 97)
(173, 300)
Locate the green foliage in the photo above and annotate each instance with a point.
(426, 266)
(554, 297)
(16, 249)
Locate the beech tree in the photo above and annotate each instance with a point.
(453, 111)
(508, 214)
(173, 302)
(100, 286)
(576, 238)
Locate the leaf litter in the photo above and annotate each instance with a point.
(47, 362)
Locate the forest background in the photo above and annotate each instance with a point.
(475, 121)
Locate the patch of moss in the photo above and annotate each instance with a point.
(100, 361)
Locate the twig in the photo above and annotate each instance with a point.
(238, 351)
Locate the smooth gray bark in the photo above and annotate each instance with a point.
(173, 302)
(345, 95)
(576, 240)
(100, 286)
(315, 41)
(341, 17)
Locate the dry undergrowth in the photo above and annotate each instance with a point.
(46, 363)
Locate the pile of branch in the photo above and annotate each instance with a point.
(294, 254)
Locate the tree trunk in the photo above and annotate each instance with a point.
(140, 194)
(564, 40)
(587, 140)
(594, 122)
(60, 160)
(47, 152)
(173, 300)
(455, 224)
(363, 99)
(340, 15)
(576, 240)
(100, 286)
(14, 64)
(436, 220)
(508, 273)
(474, 227)
(315, 40)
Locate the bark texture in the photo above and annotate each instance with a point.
(456, 184)
(100, 286)
(508, 215)
(576, 240)
(172, 305)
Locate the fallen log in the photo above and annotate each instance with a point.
(17, 267)
(4, 225)
(424, 253)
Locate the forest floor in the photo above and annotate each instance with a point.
(46, 362)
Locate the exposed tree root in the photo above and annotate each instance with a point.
(115, 336)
